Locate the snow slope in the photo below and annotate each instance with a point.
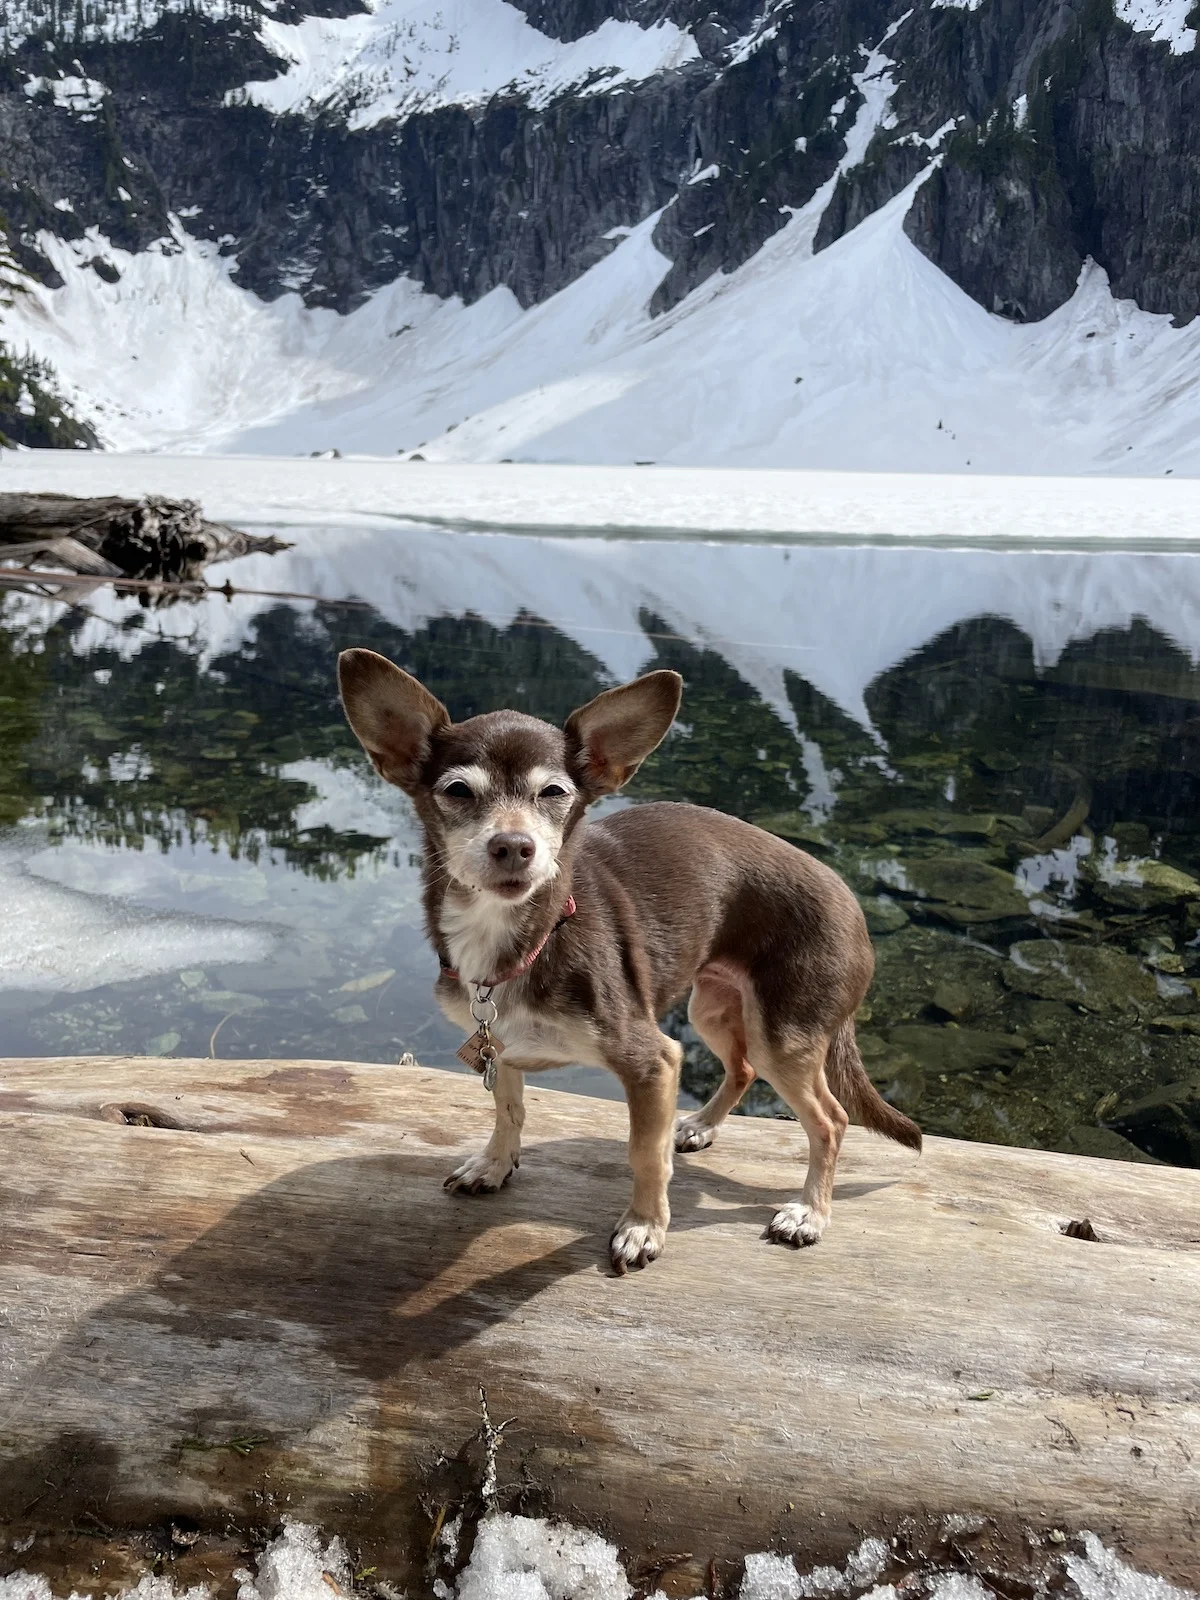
(864, 356)
(410, 55)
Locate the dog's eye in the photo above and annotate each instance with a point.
(552, 791)
(458, 790)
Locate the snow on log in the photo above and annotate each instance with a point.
(231, 1291)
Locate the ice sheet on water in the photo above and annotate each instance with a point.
(57, 938)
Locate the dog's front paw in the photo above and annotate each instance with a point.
(635, 1243)
(692, 1134)
(797, 1225)
(481, 1174)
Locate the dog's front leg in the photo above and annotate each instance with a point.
(492, 1167)
(651, 1089)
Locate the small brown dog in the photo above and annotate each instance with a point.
(573, 938)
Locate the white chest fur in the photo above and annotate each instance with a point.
(478, 932)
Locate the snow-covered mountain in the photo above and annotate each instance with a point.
(792, 232)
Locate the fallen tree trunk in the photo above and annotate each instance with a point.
(152, 538)
(231, 1290)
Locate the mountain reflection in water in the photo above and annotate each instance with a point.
(1000, 751)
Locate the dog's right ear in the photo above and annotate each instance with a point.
(393, 716)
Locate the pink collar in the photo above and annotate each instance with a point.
(518, 971)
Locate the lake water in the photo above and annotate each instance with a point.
(1000, 750)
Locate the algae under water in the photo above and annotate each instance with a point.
(999, 750)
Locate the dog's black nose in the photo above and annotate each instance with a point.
(513, 851)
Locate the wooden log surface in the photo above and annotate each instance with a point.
(273, 1306)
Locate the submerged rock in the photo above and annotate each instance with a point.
(960, 890)
(1087, 1140)
(899, 1078)
(1165, 1124)
(1176, 1025)
(1143, 885)
(950, 1049)
(1093, 977)
(954, 1000)
(883, 914)
(940, 824)
(794, 826)
(1050, 1021)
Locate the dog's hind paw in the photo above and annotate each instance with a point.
(481, 1174)
(796, 1224)
(691, 1134)
(635, 1243)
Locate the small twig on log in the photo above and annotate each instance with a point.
(491, 1436)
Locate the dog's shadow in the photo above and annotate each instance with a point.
(328, 1285)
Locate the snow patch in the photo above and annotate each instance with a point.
(29, 1586)
(1164, 20)
(405, 56)
(298, 1566)
(71, 93)
(114, 20)
(769, 1577)
(525, 1558)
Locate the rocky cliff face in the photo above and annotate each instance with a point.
(1046, 131)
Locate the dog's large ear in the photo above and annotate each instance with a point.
(393, 716)
(610, 737)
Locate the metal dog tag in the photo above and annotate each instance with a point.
(479, 1052)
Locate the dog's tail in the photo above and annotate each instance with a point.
(864, 1104)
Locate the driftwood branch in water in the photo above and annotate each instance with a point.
(152, 538)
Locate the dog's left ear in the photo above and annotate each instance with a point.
(610, 737)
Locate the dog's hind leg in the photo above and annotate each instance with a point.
(651, 1089)
(715, 1011)
(491, 1168)
(797, 1073)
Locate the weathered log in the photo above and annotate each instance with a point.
(230, 1290)
(150, 538)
